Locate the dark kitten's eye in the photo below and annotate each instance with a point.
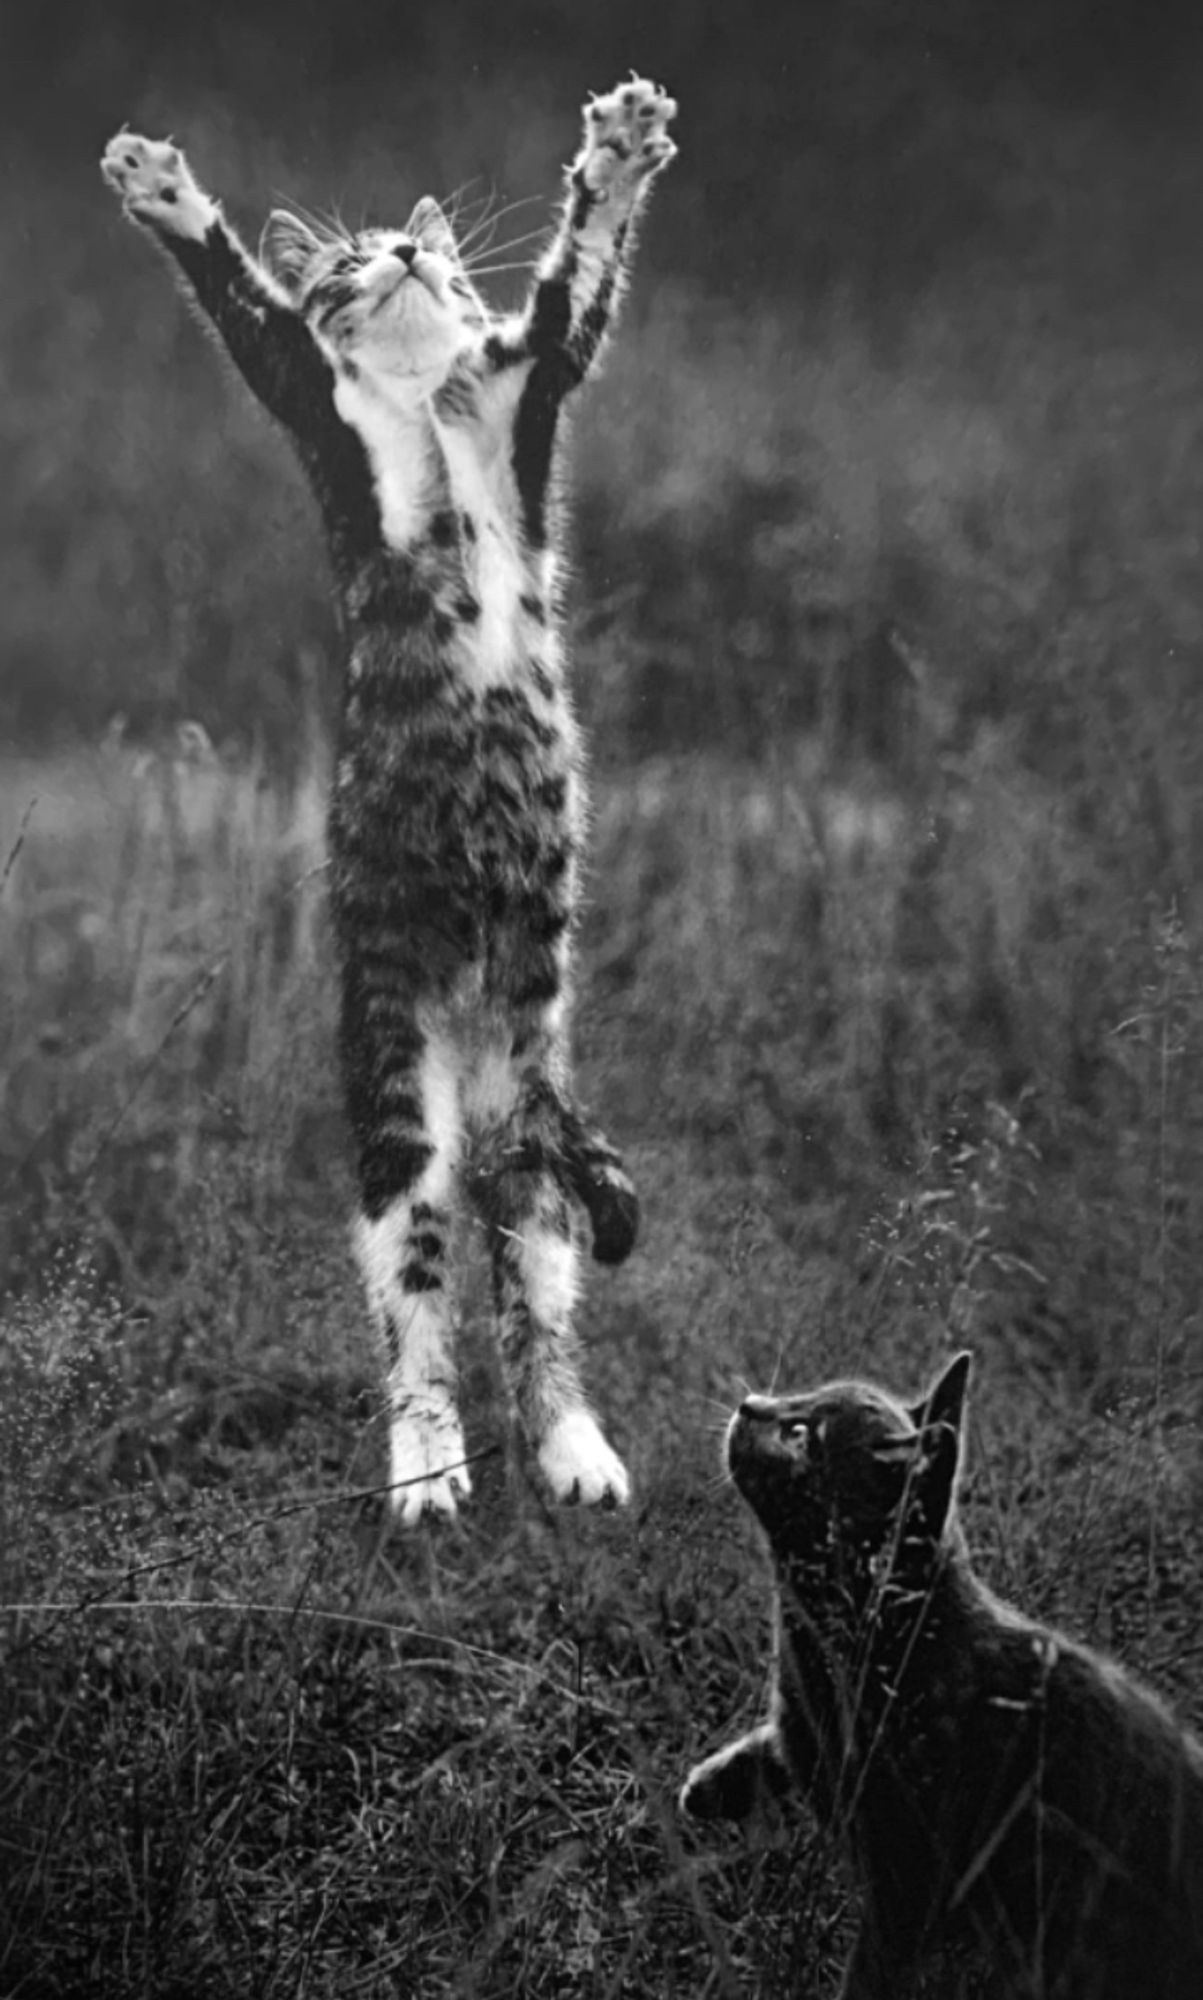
(896, 1450)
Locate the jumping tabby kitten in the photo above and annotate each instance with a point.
(1025, 1819)
(427, 427)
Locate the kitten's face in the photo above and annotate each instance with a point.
(838, 1476)
(394, 301)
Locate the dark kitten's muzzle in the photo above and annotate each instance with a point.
(766, 1428)
(759, 1409)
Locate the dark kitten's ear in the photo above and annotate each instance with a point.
(941, 1419)
(288, 246)
(944, 1402)
(430, 227)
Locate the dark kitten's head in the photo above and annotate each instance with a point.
(847, 1476)
(396, 300)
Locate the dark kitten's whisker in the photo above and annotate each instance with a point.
(778, 1365)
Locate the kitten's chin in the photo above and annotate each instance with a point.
(413, 348)
(763, 1470)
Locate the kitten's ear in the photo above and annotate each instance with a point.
(288, 247)
(944, 1402)
(429, 226)
(941, 1421)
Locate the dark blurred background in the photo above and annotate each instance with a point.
(912, 349)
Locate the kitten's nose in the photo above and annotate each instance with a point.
(758, 1407)
(406, 252)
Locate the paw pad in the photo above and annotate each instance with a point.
(152, 178)
(626, 137)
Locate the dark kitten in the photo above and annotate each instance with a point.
(1024, 1818)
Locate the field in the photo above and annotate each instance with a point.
(253, 1742)
(887, 620)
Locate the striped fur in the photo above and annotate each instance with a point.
(428, 430)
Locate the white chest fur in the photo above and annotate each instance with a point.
(405, 442)
(495, 565)
(395, 431)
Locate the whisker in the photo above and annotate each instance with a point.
(503, 249)
(491, 270)
(330, 226)
(454, 204)
(495, 215)
(491, 219)
(514, 242)
(345, 233)
(778, 1365)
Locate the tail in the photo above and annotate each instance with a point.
(596, 1176)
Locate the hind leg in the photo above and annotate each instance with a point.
(536, 1272)
(405, 1106)
(588, 1164)
(535, 1263)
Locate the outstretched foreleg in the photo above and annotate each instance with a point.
(580, 279)
(264, 334)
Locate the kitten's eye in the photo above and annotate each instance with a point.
(796, 1432)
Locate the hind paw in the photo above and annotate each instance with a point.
(579, 1465)
(427, 1473)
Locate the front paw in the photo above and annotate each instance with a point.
(156, 187)
(626, 138)
(738, 1780)
(716, 1789)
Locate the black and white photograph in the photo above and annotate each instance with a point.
(601, 1001)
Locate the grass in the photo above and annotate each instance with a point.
(252, 1742)
(887, 633)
